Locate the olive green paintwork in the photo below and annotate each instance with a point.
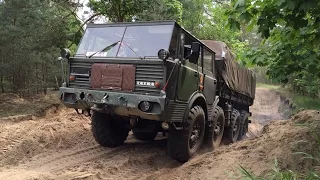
(188, 82)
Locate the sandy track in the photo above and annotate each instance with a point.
(61, 146)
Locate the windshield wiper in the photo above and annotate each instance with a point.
(132, 50)
(105, 49)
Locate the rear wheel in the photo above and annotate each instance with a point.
(233, 130)
(218, 126)
(244, 119)
(108, 130)
(183, 144)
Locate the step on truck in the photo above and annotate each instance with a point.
(153, 77)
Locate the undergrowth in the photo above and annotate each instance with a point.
(298, 101)
(278, 173)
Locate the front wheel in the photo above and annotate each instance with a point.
(146, 130)
(183, 144)
(108, 130)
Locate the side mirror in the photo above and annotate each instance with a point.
(195, 52)
(65, 53)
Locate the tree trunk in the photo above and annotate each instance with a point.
(43, 78)
(1, 73)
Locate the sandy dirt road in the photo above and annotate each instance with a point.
(60, 146)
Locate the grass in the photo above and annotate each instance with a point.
(299, 101)
(275, 174)
(269, 86)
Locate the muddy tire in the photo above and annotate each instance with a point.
(218, 126)
(244, 115)
(107, 130)
(183, 144)
(233, 131)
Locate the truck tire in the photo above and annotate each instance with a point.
(218, 126)
(146, 130)
(145, 136)
(244, 115)
(183, 144)
(233, 130)
(107, 130)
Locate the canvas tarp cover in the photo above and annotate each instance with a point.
(237, 77)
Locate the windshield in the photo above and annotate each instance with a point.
(134, 41)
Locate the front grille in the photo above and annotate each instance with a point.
(144, 73)
(82, 72)
(148, 73)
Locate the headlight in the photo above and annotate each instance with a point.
(145, 106)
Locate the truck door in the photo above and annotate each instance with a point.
(188, 80)
(210, 81)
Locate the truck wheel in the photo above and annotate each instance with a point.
(183, 144)
(233, 130)
(244, 115)
(107, 130)
(146, 130)
(218, 128)
(145, 136)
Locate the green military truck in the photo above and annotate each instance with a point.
(151, 77)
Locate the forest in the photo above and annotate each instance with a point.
(278, 39)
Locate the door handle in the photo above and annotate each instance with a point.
(196, 74)
(214, 81)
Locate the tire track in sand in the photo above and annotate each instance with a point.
(61, 160)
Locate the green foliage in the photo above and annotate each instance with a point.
(214, 26)
(118, 10)
(275, 174)
(127, 10)
(193, 14)
(162, 10)
(290, 48)
(31, 34)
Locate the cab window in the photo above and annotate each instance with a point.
(207, 60)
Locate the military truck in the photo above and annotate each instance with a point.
(153, 77)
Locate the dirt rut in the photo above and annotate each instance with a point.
(61, 146)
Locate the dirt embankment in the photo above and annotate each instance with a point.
(60, 146)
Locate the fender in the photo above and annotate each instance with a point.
(190, 102)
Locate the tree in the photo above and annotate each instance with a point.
(127, 10)
(162, 10)
(31, 34)
(193, 14)
(118, 10)
(290, 48)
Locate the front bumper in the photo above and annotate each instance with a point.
(123, 104)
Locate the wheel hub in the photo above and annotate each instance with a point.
(195, 135)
